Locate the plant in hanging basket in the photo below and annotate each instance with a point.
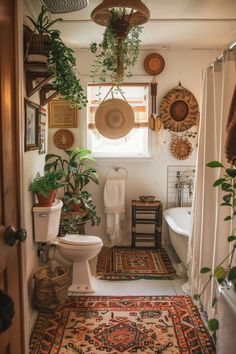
(118, 52)
(61, 60)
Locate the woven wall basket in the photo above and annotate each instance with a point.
(50, 288)
(179, 110)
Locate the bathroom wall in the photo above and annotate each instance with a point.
(145, 176)
(180, 183)
(32, 162)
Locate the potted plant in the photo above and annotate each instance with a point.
(61, 60)
(78, 171)
(224, 273)
(118, 52)
(45, 187)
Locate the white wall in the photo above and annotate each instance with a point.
(145, 176)
(31, 163)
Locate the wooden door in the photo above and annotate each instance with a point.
(11, 338)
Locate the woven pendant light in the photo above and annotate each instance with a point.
(63, 6)
(137, 12)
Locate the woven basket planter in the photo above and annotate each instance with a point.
(50, 288)
(35, 43)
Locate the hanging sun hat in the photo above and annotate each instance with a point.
(114, 118)
(179, 110)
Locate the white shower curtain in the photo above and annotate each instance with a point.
(208, 243)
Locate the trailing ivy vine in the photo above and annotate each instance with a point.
(118, 52)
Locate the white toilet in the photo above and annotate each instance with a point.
(75, 248)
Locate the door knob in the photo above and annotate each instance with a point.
(11, 235)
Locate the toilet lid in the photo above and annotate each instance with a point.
(80, 240)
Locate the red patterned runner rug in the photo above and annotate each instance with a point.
(102, 324)
(132, 264)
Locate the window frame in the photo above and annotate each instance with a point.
(129, 157)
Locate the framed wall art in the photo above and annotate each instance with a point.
(42, 131)
(61, 114)
(31, 126)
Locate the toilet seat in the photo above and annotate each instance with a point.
(79, 240)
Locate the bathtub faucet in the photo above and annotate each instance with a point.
(184, 180)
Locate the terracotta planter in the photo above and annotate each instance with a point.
(42, 201)
(76, 207)
(54, 194)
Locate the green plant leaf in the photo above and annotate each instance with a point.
(218, 182)
(205, 270)
(196, 297)
(214, 302)
(231, 172)
(219, 272)
(213, 324)
(231, 238)
(225, 204)
(227, 218)
(232, 274)
(49, 156)
(214, 164)
(227, 198)
(226, 186)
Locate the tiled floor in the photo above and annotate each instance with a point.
(142, 286)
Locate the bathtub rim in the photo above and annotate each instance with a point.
(172, 224)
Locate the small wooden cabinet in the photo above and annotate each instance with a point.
(147, 213)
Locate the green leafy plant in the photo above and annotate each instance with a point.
(77, 173)
(43, 185)
(118, 51)
(61, 60)
(223, 274)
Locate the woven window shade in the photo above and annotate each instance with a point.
(136, 95)
(63, 6)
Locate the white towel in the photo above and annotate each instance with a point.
(114, 202)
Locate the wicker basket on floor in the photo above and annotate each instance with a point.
(50, 288)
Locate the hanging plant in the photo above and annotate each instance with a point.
(118, 52)
(61, 59)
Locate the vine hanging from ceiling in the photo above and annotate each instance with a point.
(118, 52)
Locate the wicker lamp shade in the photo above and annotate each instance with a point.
(64, 6)
(138, 15)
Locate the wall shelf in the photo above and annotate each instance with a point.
(38, 72)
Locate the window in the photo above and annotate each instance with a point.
(134, 144)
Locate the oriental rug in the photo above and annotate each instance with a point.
(132, 264)
(100, 324)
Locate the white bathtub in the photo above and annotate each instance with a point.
(179, 222)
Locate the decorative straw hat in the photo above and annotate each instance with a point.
(114, 118)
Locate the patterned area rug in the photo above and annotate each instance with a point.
(131, 264)
(98, 325)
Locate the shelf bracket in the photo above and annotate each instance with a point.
(30, 77)
(43, 94)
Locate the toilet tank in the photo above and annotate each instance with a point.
(47, 221)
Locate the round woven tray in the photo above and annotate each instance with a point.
(181, 149)
(63, 139)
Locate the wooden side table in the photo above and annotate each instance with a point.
(147, 213)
